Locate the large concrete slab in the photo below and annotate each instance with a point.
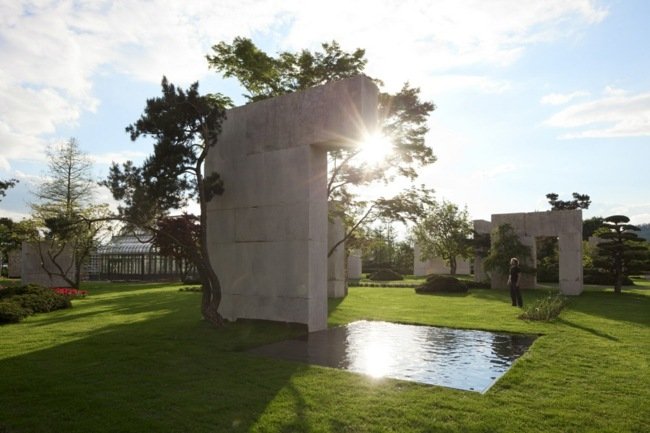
(566, 225)
(43, 263)
(337, 285)
(436, 265)
(268, 231)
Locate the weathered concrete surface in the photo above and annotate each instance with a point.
(13, 264)
(268, 231)
(354, 266)
(481, 227)
(36, 261)
(436, 265)
(564, 224)
(337, 285)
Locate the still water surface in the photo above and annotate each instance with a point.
(455, 358)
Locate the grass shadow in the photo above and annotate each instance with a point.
(166, 373)
(586, 329)
(624, 307)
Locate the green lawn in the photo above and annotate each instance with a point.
(138, 358)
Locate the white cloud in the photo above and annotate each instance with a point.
(422, 36)
(52, 51)
(562, 98)
(493, 172)
(118, 157)
(612, 116)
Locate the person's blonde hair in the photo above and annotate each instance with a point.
(514, 261)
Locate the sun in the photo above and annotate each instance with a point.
(375, 148)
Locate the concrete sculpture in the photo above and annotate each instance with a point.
(268, 231)
(566, 225)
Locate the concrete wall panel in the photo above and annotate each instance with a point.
(268, 231)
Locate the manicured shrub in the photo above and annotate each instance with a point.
(477, 284)
(11, 312)
(442, 284)
(16, 303)
(596, 276)
(545, 309)
(385, 275)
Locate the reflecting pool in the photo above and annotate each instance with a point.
(455, 358)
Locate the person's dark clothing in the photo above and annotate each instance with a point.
(515, 293)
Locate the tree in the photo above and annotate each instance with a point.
(445, 232)
(580, 201)
(590, 226)
(12, 234)
(178, 237)
(403, 115)
(184, 126)
(65, 208)
(622, 251)
(505, 245)
(5, 185)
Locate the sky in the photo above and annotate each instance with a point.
(532, 96)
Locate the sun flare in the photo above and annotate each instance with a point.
(375, 148)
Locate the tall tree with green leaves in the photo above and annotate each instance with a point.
(403, 121)
(184, 125)
(65, 207)
(445, 232)
(506, 245)
(622, 251)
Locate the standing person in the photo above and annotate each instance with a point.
(513, 283)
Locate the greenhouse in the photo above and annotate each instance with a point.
(133, 257)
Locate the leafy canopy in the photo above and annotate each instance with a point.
(580, 201)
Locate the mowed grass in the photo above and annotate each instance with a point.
(138, 358)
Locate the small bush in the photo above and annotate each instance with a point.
(385, 275)
(477, 284)
(11, 312)
(545, 309)
(16, 303)
(598, 277)
(442, 284)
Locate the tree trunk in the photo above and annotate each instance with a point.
(452, 265)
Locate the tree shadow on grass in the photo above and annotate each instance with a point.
(164, 373)
(625, 307)
(586, 329)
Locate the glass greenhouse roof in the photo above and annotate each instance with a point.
(128, 245)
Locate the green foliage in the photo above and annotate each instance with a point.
(404, 122)
(5, 185)
(444, 232)
(442, 284)
(12, 312)
(184, 126)
(65, 208)
(385, 275)
(545, 309)
(604, 278)
(590, 226)
(622, 252)
(580, 201)
(506, 245)
(16, 303)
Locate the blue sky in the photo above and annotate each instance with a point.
(532, 97)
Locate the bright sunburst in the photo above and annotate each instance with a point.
(375, 148)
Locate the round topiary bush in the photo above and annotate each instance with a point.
(442, 284)
(385, 275)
